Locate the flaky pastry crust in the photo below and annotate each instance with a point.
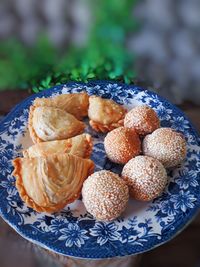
(45, 124)
(105, 114)
(80, 145)
(48, 184)
(75, 104)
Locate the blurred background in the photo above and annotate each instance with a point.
(151, 43)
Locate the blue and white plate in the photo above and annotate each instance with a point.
(73, 231)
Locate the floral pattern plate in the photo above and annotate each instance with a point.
(73, 231)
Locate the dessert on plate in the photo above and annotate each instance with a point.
(166, 145)
(105, 114)
(145, 176)
(105, 195)
(80, 145)
(48, 124)
(75, 104)
(143, 119)
(56, 168)
(122, 144)
(51, 182)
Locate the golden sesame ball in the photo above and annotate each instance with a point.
(105, 195)
(122, 144)
(166, 145)
(143, 119)
(145, 176)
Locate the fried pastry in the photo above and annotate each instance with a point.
(104, 114)
(80, 145)
(48, 124)
(105, 195)
(75, 104)
(142, 119)
(122, 144)
(145, 176)
(48, 184)
(166, 145)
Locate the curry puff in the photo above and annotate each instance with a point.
(48, 124)
(105, 114)
(75, 104)
(80, 145)
(48, 184)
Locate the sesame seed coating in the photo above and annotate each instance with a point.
(143, 119)
(166, 145)
(145, 176)
(122, 144)
(105, 195)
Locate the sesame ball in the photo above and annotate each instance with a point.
(166, 145)
(105, 195)
(122, 144)
(143, 119)
(145, 176)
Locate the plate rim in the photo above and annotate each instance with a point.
(181, 226)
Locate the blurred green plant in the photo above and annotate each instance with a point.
(104, 57)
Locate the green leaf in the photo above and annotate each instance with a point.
(91, 75)
(126, 79)
(35, 89)
(103, 57)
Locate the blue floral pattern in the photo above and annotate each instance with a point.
(187, 179)
(164, 113)
(105, 232)
(57, 224)
(75, 232)
(180, 123)
(183, 200)
(9, 184)
(168, 208)
(73, 235)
